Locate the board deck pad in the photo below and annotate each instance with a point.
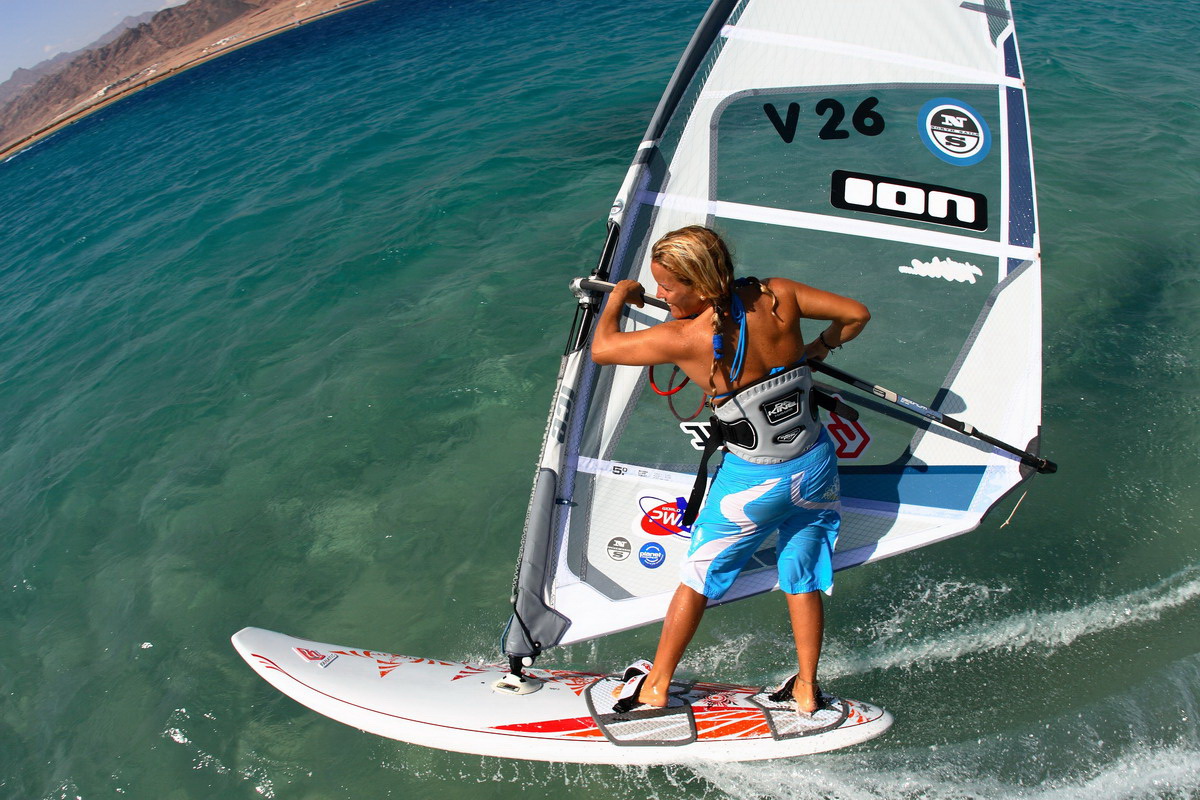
(676, 724)
(673, 725)
(453, 705)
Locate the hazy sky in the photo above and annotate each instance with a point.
(33, 30)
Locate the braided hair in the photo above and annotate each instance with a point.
(699, 258)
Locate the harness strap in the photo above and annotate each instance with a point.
(833, 405)
(714, 442)
(774, 371)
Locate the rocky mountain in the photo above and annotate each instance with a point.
(124, 25)
(22, 78)
(99, 69)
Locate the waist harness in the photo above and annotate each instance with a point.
(767, 422)
(772, 420)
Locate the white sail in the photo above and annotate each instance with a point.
(873, 148)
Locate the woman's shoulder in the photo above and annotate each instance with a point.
(698, 325)
(786, 292)
(783, 285)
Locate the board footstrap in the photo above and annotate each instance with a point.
(786, 723)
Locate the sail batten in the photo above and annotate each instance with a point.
(807, 221)
(954, 70)
(880, 150)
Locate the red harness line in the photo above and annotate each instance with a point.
(672, 390)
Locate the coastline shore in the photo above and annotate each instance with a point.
(244, 31)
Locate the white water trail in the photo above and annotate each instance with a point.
(1139, 744)
(1150, 773)
(1051, 630)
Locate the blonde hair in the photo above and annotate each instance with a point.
(700, 259)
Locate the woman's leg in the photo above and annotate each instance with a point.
(807, 613)
(683, 617)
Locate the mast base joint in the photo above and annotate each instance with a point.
(514, 683)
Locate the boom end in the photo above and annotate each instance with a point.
(1045, 466)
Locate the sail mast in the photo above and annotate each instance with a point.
(534, 624)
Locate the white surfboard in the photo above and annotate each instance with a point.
(568, 717)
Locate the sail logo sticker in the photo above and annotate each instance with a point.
(894, 197)
(699, 431)
(850, 437)
(562, 412)
(951, 270)
(663, 517)
(619, 548)
(652, 555)
(954, 132)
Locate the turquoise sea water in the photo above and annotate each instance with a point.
(278, 342)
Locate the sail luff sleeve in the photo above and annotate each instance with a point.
(535, 625)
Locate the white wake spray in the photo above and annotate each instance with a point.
(1144, 774)
(1051, 630)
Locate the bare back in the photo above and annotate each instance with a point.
(773, 336)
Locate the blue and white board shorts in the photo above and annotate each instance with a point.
(747, 502)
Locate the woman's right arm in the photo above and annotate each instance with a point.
(658, 344)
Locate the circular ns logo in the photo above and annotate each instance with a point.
(954, 132)
(619, 548)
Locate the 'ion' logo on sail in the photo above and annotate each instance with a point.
(894, 197)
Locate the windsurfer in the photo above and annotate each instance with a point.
(742, 339)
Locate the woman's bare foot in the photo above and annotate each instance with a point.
(650, 696)
(805, 694)
(638, 690)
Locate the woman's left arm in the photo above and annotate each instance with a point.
(847, 318)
